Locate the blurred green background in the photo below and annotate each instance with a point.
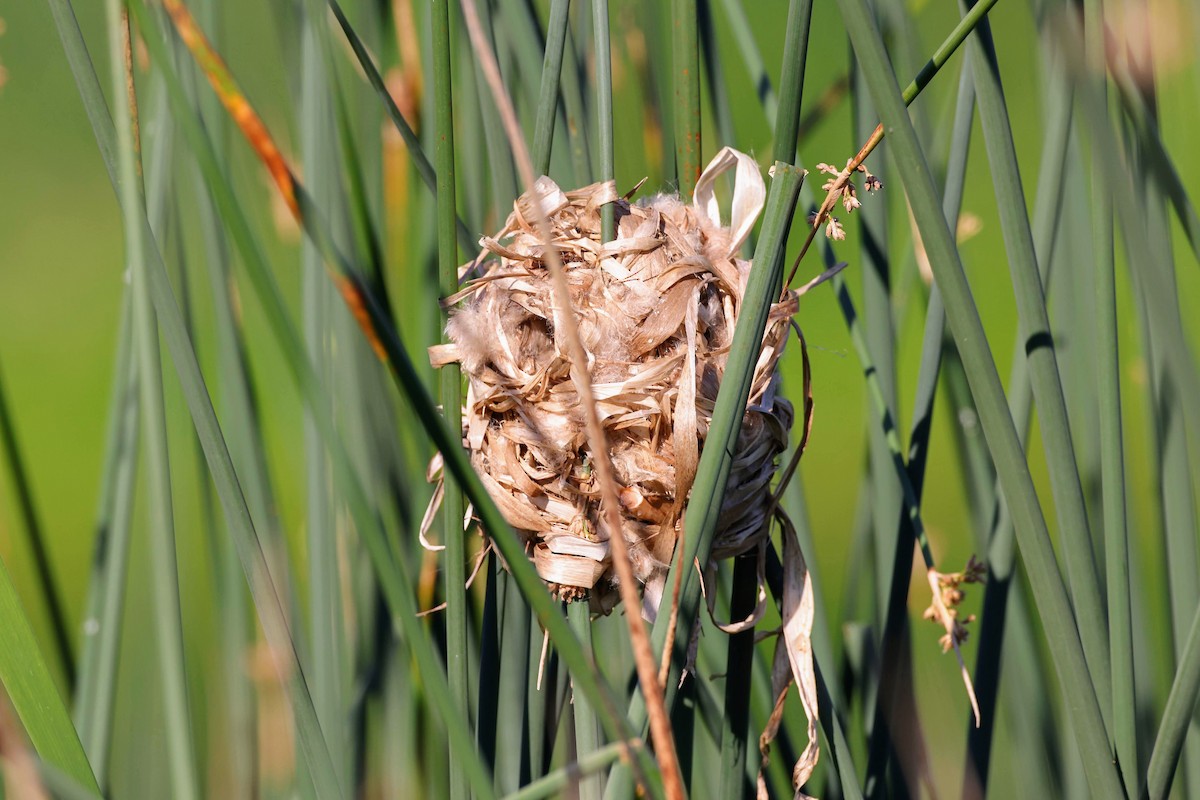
(61, 279)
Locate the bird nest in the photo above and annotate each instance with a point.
(656, 310)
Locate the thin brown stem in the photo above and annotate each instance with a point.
(830, 201)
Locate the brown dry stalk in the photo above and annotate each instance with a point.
(939, 611)
(831, 198)
(660, 724)
(130, 91)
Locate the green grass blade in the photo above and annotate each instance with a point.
(547, 109)
(604, 108)
(541, 703)
(1003, 441)
(512, 735)
(714, 76)
(553, 784)
(395, 581)
(791, 81)
(165, 580)
(685, 58)
(587, 740)
(1091, 615)
(575, 113)
(1112, 448)
(325, 612)
(1175, 468)
(1155, 155)
(1001, 553)
(32, 692)
(735, 729)
(896, 614)
(454, 537)
(103, 617)
(1178, 715)
(248, 453)
(1155, 282)
(36, 539)
(503, 171)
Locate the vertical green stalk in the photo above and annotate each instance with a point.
(685, 55)
(1175, 469)
(714, 76)
(999, 622)
(513, 724)
(963, 317)
(878, 329)
(235, 624)
(587, 734)
(894, 735)
(538, 702)
(735, 728)
(604, 108)
(504, 177)
(103, 614)
(37, 543)
(325, 612)
(488, 693)
(455, 555)
(547, 110)
(1090, 613)
(575, 113)
(791, 80)
(1178, 716)
(165, 582)
(1116, 541)
(1112, 452)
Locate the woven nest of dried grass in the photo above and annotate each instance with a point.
(656, 307)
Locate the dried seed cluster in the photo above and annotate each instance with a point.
(656, 311)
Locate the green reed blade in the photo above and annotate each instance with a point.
(791, 80)
(1003, 441)
(168, 628)
(31, 690)
(604, 109)
(1001, 555)
(1108, 386)
(103, 612)
(1091, 615)
(453, 535)
(547, 109)
(46, 582)
(685, 59)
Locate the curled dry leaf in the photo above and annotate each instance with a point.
(793, 663)
(656, 309)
